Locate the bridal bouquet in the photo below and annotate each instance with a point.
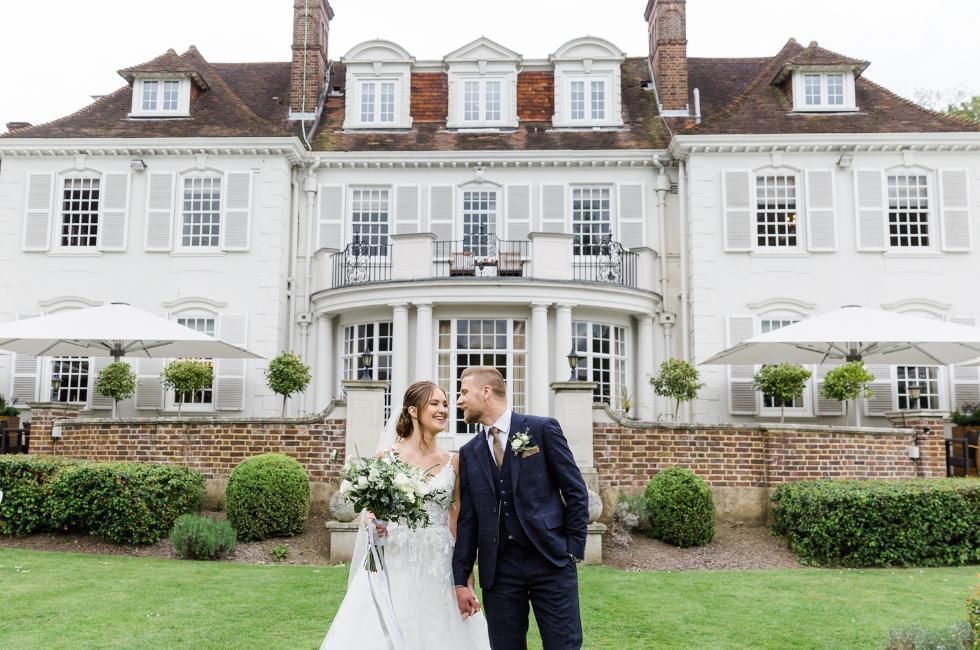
(390, 488)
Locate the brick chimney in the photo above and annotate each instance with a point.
(311, 26)
(667, 25)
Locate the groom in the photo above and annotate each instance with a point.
(524, 511)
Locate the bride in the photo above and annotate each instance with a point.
(418, 562)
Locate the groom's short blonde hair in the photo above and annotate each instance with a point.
(487, 376)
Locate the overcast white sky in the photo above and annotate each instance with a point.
(54, 54)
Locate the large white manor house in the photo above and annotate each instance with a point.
(395, 219)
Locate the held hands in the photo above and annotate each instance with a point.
(466, 600)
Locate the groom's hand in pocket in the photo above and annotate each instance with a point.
(466, 601)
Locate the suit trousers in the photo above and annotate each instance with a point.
(525, 576)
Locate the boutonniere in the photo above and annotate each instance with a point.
(521, 442)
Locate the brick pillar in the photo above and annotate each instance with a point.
(44, 417)
(930, 439)
(311, 27)
(667, 25)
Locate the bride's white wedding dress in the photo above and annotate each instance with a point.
(419, 564)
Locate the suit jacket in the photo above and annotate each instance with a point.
(550, 499)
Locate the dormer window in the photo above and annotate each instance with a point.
(161, 97)
(482, 101)
(379, 81)
(482, 78)
(823, 91)
(587, 84)
(377, 101)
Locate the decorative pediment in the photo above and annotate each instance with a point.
(588, 48)
(377, 50)
(483, 49)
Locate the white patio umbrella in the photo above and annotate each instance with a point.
(115, 330)
(854, 333)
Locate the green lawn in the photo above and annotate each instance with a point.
(55, 600)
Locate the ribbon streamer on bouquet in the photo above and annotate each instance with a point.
(393, 633)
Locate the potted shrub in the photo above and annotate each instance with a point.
(186, 376)
(677, 380)
(784, 381)
(8, 414)
(118, 381)
(287, 375)
(847, 382)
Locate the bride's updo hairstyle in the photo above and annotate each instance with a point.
(417, 395)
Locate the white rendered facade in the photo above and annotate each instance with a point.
(848, 188)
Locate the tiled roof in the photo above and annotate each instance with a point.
(738, 97)
(169, 62)
(643, 128)
(219, 111)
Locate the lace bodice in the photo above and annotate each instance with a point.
(430, 548)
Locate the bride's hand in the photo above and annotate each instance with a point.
(369, 518)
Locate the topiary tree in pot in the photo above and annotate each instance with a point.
(677, 380)
(287, 375)
(186, 376)
(784, 381)
(847, 382)
(118, 381)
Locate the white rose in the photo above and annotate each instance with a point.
(401, 480)
(362, 482)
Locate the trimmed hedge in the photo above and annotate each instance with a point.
(26, 484)
(196, 537)
(268, 496)
(921, 522)
(973, 612)
(126, 503)
(680, 507)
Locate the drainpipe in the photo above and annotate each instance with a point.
(305, 317)
(294, 228)
(685, 307)
(663, 187)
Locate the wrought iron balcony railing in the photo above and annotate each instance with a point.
(360, 263)
(606, 261)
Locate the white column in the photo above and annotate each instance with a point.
(563, 341)
(399, 355)
(643, 392)
(538, 361)
(424, 354)
(323, 372)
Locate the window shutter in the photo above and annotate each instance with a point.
(553, 208)
(160, 211)
(820, 217)
(742, 397)
(37, 216)
(149, 385)
(966, 380)
(954, 193)
(441, 212)
(738, 210)
(407, 209)
(631, 216)
(99, 402)
(114, 216)
(230, 373)
(518, 212)
(870, 209)
(236, 226)
(330, 218)
(882, 398)
(826, 405)
(25, 372)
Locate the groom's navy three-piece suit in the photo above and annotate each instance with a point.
(524, 522)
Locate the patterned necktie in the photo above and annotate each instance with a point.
(498, 448)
